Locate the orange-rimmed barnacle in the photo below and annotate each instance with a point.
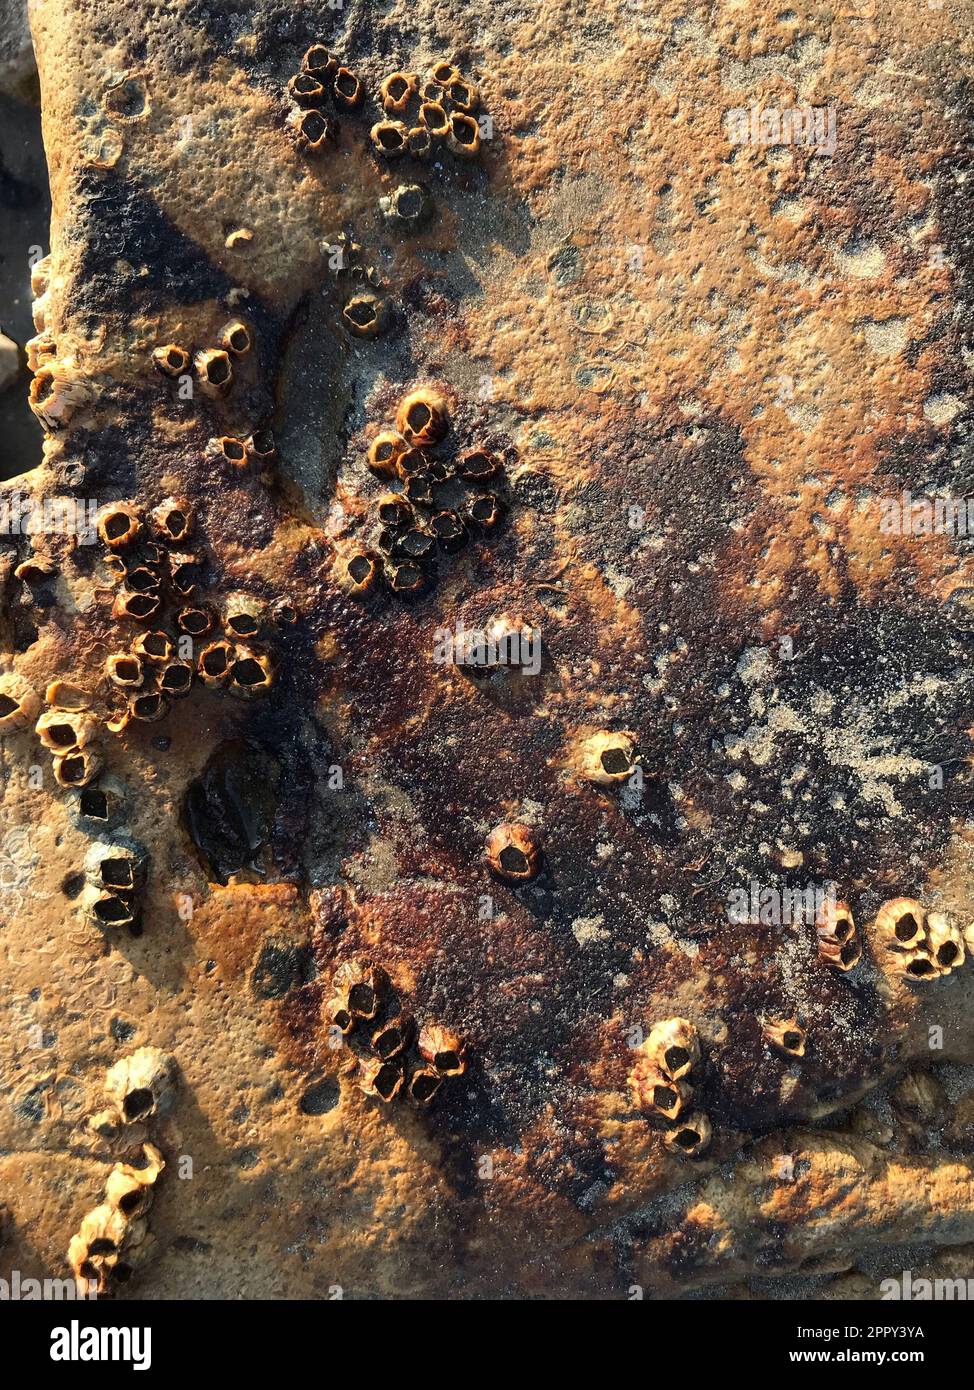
(39, 349)
(606, 758)
(243, 615)
(77, 768)
(514, 852)
(261, 448)
(673, 1047)
(361, 985)
(60, 731)
(142, 1085)
(463, 136)
(945, 943)
(129, 1188)
(484, 510)
(691, 1136)
(142, 579)
(139, 607)
(419, 490)
(154, 647)
(118, 865)
(449, 530)
(98, 808)
(396, 89)
(366, 315)
(236, 338)
(348, 89)
(424, 1082)
(407, 206)
(785, 1035)
(56, 393)
(408, 579)
(433, 116)
(415, 544)
(104, 908)
(34, 570)
(214, 663)
(381, 1079)
(337, 1014)
(307, 89)
(171, 359)
(901, 924)
(184, 573)
(148, 706)
(359, 573)
(442, 1049)
(383, 453)
(102, 1248)
(389, 138)
(313, 131)
(19, 704)
(118, 524)
(838, 941)
(395, 512)
(172, 520)
(251, 673)
(227, 447)
(176, 679)
(115, 565)
(433, 92)
(319, 59)
(444, 72)
(393, 1037)
(64, 695)
(410, 461)
(477, 465)
(655, 1093)
(214, 370)
(194, 620)
(463, 94)
(419, 142)
(125, 669)
(423, 416)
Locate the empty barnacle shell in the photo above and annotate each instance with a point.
(236, 338)
(117, 865)
(106, 1123)
(65, 695)
(60, 731)
(40, 276)
(396, 89)
(95, 1252)
(462, 94)
(384, 451)
(484, 510)
(673, 1047)
(118, 524)
(412, 461)
(360, 985)
(154, 647)
(128, 1188)
(834, 921)
(148, 706)
(251, 673)
(444, 72)
(442, 1049)
(415, 544)
(98, 808)
(359, 573)
(139, 607)
(918, 964)
(57, 393)
(125, 669)
(843, 955)
(434, 117)
(176, 679)
(261, 450)
(424, 1082)
(307, 88)
(195, 620)
(408, 579)
(214, 370)
(141, 579)
(104, 908)
(477, 465)
(171, 359)
(945, 943)
(213, 666)
(389, 138)
(172, 520)
(433, 91)
(338, 1015)
(348, 90)
(655, 1093)
(39, 349)
(142, 1085)
(419, 490)
(691, 1136)
(34, 570)
(463, 136)
(419, 142)
(449, 530)
(77, 768)
(607, 758)
(381, 1079)
(19, 704)
(243, 615)
(393, 1037)
(901, 924)
(514, 852)
(319, 59)
(407, 206)
(366, 315)
(313, 131)
(786, 1035)
(395, 512)
(228, 447)
(423, 416)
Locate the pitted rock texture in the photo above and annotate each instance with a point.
(705, 365)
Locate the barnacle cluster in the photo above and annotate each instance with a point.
(115, 875)
(158, 666)
(438, 500)
(393, 1054)
(366, 314)
(58, 388)
(921, 945)
(113, 1239)
(423, 115)
(70, 731)
(212, 365)
(321, 83)
(661, 1084)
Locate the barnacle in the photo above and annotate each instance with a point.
(260, 448)
(407, 579)
(214, 663)
(172, 520)
(419, 142)
(129, 1189)
(477, 465)
(100, 1252)
(148, 706)
(366, 315)
(57, 392)
(434, 117)
(118, 865)
(171, 359)
(313, 131)
(691, 1136)
(348, 89)
(119, 524)
(307, 88)
(415, 544)
(236, 338)
(484, 510)
(215, 371)
(98, 808)
(105, 908)
(359, 573)
(606, 758)
(389, 138)
(407, 206)
(251, 673)
(243, 615)
(444, 72)
(154, 647)
(60, 731)
(139, 607)
(125, 669)
(945, 943)
(176, 679)
(463, 94)
(442, 1049)
(396, 89)
(142, 1085)
(463, 136)
(319, 59)
(383, 453)
(395, 512)
(78, 767)
(514, 852)
(393, 1037)
(19, 704)
(673, 1047)
(654, 1092)
(423, 416)
(901, 924)
(838, 940)
(424, 1082)
(381, 1079)
(785, 1035)
(183, 573)
(360, 985)
(196, 621)
(449, 530)
(227, 447)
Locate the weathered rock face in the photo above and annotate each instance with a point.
(683, 329)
